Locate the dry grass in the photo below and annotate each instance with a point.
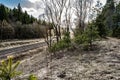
(102, 64)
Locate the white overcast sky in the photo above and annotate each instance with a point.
(33, 7)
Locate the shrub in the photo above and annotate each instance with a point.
(116, 32)
(86, 38)
(62, 44)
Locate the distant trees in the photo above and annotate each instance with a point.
(28, 31)
(20, 31)
(6, 30)
(25, 18)
(18, 24)
(15, 15)
(19, 12)
(3, 13)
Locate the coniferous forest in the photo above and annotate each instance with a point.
(16, 24)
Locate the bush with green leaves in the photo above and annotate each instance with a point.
(82, 40)
(91, 33)
(8, 69)
(62, 44)
(86, 38)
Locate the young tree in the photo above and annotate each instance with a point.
(8, 69)
(91, 33)
(87, 38)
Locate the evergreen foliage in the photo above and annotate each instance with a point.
(107, 13)
(87, 38)
(3, 13)
(8, 69)
(62, 44)
(116, 19)
(104, 20)
(102, 29)
(15, 15)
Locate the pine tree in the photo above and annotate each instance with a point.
(104, 20)
(91, 33)
(116, 19)
(3, 13)
(8, 69)
(14, 12)
(101, 26)
(31, 19)
(108, 12)
(25, 18)
(19, 12)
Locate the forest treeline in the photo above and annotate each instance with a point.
(16, 24)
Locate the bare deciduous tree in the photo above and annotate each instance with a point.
(54, 10)
(68, 15)
(81, 8)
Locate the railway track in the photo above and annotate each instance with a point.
(18, 50)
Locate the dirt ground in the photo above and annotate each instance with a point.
(101, 64)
